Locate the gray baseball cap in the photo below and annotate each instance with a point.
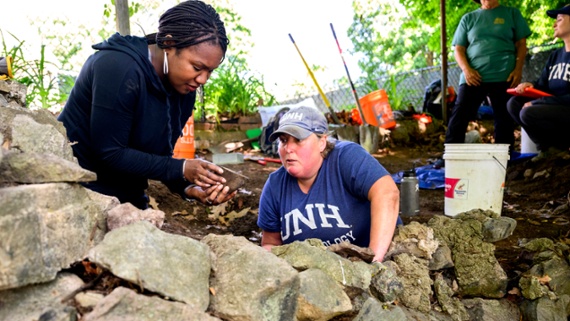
(300, 122)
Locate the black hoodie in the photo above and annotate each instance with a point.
(123, 122)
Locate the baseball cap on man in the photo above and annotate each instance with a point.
(301, 122)
(564, 10)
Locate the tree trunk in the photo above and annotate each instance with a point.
(123, 24)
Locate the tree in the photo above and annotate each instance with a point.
(398, 35)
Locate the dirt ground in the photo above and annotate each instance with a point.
(539, 205)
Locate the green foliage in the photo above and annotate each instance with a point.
(15, 52)
(400, 35)
(40, 81)
(397, 96)
(427, 14)
(65, 48)
(109, 9)
(35, 74)
(233, 91)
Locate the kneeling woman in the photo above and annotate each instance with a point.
(330, 190)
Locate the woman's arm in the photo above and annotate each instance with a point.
(384, 199)
(516, 75)
(270, 239)
(472, 77)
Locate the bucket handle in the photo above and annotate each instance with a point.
(500, 163)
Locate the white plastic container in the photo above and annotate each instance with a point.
(474, 177)
(527, 145)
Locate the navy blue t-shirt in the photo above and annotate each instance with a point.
(335, 209)
(555, 79)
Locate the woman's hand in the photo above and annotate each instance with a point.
(203, 173)
(515, 77)
(213, 195)
(472, 77)
(521, 87)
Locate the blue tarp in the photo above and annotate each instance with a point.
(434, 178)
(428, 177)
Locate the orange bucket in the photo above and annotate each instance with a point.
(184, 147)
(376, 109)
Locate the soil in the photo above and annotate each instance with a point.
(539, 204)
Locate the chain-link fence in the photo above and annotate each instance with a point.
(412, 84)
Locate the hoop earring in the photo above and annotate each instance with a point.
(165, 64)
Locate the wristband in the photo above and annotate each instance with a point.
(183, 171)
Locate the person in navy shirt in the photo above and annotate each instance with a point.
(131, 100)
(331, 190)
(546, 119)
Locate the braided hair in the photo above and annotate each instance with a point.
(188, 24)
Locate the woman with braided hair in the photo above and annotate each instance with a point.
(131, 100)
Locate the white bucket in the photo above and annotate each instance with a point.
(527, 145)
(474, 177)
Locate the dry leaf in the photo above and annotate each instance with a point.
(91, 268)
(217, 211)
(7, 144)
(233, 215)
(152, 203)
(183, 213)
(515, 291)
(544, 279)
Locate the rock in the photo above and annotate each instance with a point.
(546, 309)
(157, 261)
(531, 288)
(414, 275)
(315, 304)
(41, 301)
(477, 270)
(473, 137)
(88, 299)
(449, 303)
(373, 310)
(34, 168)
(558, 273)
(312, 254)
(35, 131)
(441, 259)
(539, 245)
(497, 229)
(385, 284)
(127, 213)
(416, 239)
(492, 310)
(45, 228)
(249, 282)
(125, 305)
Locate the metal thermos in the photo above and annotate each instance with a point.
(409, 194)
